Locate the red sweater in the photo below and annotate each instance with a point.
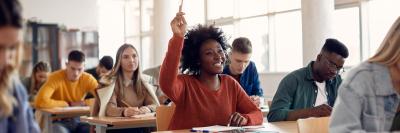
(196, 104)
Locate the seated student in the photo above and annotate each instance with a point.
(369, 98)
(104, 67)
(39, 75)
(310, 91)
(203, 96)
(15, 113)
(243, 70)
(154, 74)
(67, 87)
(130, 94)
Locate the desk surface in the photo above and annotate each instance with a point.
(119, 121)
(77, 111)
(281, 127)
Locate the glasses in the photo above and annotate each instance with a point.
(332, 65)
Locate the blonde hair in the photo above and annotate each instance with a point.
(389, 50)
(7, 100)
(117, 75)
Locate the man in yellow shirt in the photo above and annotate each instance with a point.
(67, 87)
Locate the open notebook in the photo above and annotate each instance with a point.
(218, 128)
(144, 115)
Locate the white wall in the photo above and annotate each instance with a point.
(82, 14)
(270, 82)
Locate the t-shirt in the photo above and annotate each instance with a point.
(321, 95)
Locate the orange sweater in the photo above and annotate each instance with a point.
(197, 105)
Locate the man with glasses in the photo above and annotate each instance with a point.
(310, 91)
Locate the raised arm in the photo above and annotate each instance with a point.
(170, 84)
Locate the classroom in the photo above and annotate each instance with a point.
(176, 66)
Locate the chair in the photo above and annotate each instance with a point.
(313, 125)
(163, 116)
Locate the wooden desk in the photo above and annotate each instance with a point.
(68, 112)
(281, 127)
(104, 123)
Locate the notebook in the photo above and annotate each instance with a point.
(218, 128)
(144, 115)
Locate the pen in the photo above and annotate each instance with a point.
(204, 131)
(229, 122)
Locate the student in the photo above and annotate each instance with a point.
(203, 96)
(154, 74)
(131, 95)
(15, 113)
(369, 98)
(104, 67)
(310, 91)
(39, 75)
(67, 87)
(243, 70)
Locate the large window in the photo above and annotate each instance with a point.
(347, 30)
(382, 14)
(273, 27)
(128, 21)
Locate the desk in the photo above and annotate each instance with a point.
(68, 112)
(281, 127)
(104, 123)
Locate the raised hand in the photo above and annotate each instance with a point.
(178, 25)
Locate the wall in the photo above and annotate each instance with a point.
(82, 14)
(270, 82)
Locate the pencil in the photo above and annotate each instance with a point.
(180, 6)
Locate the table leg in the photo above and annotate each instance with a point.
(100, 129)
(48, 122)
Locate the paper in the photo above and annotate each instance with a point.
(74, 108)
(144, 115)
(218, 128)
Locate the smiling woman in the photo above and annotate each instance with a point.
(202, 92)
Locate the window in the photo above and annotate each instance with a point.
(256, 29)
(258, 7)
(194, 10)
(268, 24)
(382, 14)
(126, 22)
(288, 42)
(111, 31)
(219, 9)
(346, 29)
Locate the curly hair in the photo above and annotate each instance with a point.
(194, 39)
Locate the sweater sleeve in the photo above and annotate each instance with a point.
(170, 83)
(112, 108)
(247, 108)
(44, 97)
(282, 100)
